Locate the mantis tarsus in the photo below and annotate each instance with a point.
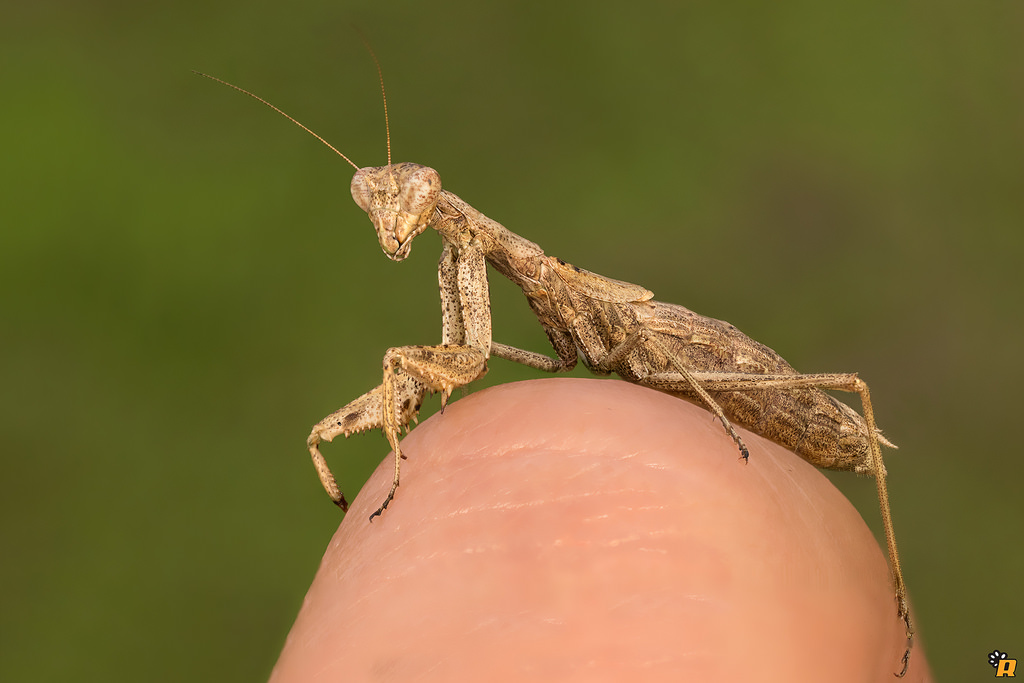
(612, 326)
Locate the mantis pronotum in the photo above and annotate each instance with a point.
(613, 326)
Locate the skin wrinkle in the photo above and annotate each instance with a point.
(551, 501)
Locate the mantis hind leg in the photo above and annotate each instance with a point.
(838, 381)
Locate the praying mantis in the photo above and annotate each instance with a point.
(611, 325)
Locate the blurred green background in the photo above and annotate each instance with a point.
(186, 285)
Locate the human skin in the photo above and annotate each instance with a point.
(594, 530)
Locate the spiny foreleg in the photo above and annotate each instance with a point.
(409, 372)
(362, 414)
(439, 368)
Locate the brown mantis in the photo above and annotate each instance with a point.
(613, 326)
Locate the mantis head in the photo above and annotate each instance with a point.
(400, 200)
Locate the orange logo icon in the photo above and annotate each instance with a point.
(1003, 665)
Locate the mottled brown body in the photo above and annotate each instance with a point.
(590, 315)
(816, 426)
(614, 326)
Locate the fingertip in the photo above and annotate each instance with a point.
(559, 522)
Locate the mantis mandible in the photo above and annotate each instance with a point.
(612, 326)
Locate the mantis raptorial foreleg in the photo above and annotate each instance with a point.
(409, 372)
(440, 369)
(362, 414)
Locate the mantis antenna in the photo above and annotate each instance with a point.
(383, 93)
(296, 122)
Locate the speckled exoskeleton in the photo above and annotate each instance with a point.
(613, 326)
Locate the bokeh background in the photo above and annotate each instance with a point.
(186, 285)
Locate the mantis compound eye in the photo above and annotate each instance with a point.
(421, 188)
(361, 190)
